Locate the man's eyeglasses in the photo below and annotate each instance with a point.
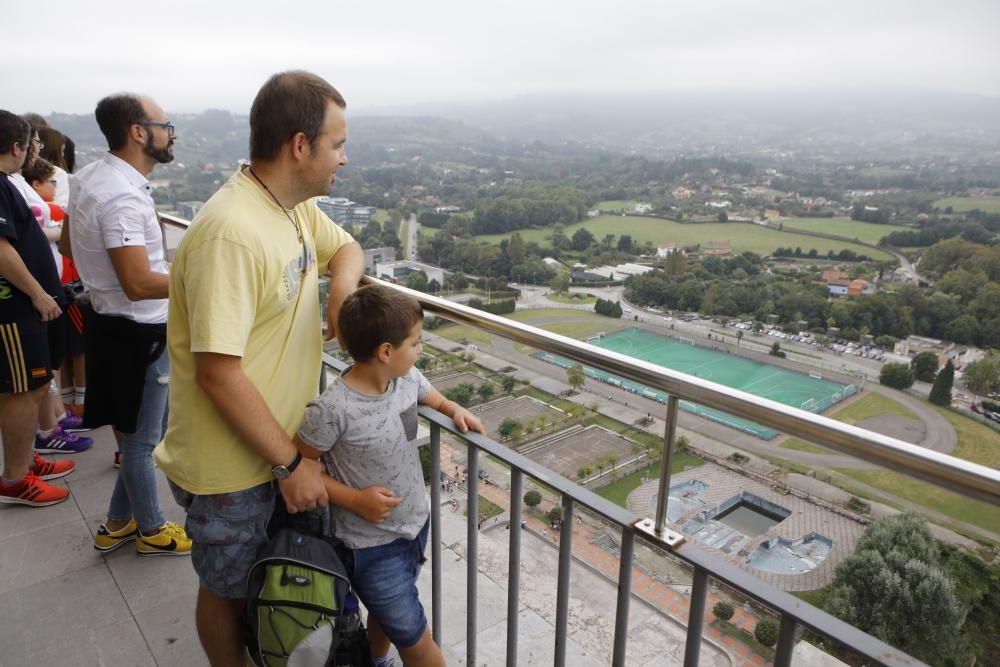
(169, 127)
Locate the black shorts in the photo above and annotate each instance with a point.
(57, 341)
(24, 355)
(76, 315)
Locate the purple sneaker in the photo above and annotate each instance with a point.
(72, 422)
(61, 442)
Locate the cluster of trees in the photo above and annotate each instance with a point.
(938, 230)
(608, 307)
(936, 602)
(537, 205)
(465, 394)
(376, 235)
(845, 255)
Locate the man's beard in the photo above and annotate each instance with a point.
(161, 155)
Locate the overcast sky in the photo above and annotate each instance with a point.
(197, 54)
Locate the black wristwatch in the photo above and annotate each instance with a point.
(284, 472)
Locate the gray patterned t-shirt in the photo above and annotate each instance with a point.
(367, 441)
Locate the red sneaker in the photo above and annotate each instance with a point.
(44, 469)
(34, 492)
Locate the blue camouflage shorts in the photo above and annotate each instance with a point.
(228, 530)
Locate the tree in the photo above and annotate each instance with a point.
(739, 336)
(417, 280)
(625, 243)
(982, 377)
(897, 376)
(925, 366)
(461, 394)
(893, 587)
(582, 238)
(560, 282)
(723, 216)
(776, 351)
(509, 428)
(723, 611)
(486, 391)
(554, 516)
(532, 498)
(941, 391)
(515, 249)
(583, 472)
(508, 383)
(766, 632)
(575, 377)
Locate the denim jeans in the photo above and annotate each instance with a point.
(135, 491)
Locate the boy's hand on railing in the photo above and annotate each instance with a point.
(466, 421)
(375, 503)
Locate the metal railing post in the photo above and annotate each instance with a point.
(666, 461)
(472, 564)
(696, 617)
(562, 587)
(786, 642)
(435, 533)
(624, 597)
(514, 565)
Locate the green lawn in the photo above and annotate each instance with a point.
(959, 507)
(852, 229)
(816, 598)
(572, 297)
(984, 204)
(584, 325)
(613, 205)
(755, 238)
(457, 332)
(976, 442)
(381, 215)
(617, 492)
(866, 407)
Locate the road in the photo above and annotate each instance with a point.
(410, 244)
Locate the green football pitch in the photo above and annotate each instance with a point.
(808, 392)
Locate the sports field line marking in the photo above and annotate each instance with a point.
(772, 374)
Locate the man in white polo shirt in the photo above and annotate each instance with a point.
(118, 249)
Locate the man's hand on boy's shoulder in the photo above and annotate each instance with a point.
(374, 503)
(466, 421)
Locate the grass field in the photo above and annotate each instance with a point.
(984, 204)
(573, 297)
(852, 229)
(866, 407)
(381, 215)
(956, 506)
(617, 492)
(613, 205)
(976, 442)
(457, 332)
(755, 238)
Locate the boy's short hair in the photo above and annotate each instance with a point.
(40, 170)
(375, 314)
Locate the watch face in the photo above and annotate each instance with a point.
(280, 472)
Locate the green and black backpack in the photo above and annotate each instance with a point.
(301, 611)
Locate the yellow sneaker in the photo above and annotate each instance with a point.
(170, 541)
(105, 540)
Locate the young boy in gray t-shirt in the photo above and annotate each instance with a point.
(363, 427)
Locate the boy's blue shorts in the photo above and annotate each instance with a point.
(385, 578)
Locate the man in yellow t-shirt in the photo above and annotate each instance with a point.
(245, 345)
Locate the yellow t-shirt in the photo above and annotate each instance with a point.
(236, 288)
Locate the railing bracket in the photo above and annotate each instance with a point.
(668, 538)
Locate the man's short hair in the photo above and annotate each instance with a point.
(373, 315)
(289, 103)
(116, 114)
(13, 130)
(40, 170)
